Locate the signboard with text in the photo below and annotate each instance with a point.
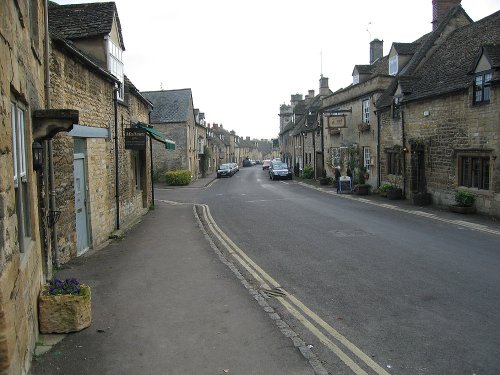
(336, 121)
(135, 139)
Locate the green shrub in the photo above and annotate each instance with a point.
(178, 178)
(465, 198)
(385, 187)
(308, 172)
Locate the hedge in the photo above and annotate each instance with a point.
(178, 178)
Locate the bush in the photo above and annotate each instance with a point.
(178, 178)
(385, 187)
(464, 198)
(308, 172)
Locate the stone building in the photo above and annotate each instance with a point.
(442, 111)
(27, 126)
(101, 186)
(174, 116)
(349, 120)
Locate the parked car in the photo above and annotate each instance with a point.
(235, 166)
(266, 164)
(278, 170)
(225, 170)
(247, 163)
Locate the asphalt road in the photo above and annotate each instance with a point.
(416, 295)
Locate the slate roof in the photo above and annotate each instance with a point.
(493, 54)
(364, 69)
(424, 45)
(81, 21)
(447, 69)
(169, 105)
(406, 48)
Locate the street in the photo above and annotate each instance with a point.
(373, 288)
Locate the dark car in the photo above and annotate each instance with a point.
(225, 170)
(278, 170)
(247, 163)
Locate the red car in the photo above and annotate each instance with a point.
(266, 164)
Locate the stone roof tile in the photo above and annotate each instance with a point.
(169, 105)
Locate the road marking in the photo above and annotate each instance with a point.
(283, 182)
(268, 200)
(266, 280)
(465, 224)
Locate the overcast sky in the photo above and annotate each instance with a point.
(243, 59)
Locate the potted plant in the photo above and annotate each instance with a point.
(384, 188)
(464, 202)
(64, 306)
(395, 192)
(361, 187)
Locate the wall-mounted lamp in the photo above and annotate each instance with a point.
(37, 151)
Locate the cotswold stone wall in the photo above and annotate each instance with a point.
(450, 125)
(453, 125)
(171, 160)
(76, 86)
(21, 81)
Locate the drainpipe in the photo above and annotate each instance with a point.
(151, 158)
(322, 146)
(117, 180)
(48, 144)
(379, 171)
(404, 153)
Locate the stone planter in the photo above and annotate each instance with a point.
(64, 313)
(363, 189)
(395, 194)
(462, 209)
(422, 199)
(325, 181)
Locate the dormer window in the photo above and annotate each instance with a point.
(115, 65)
(393, 65)
(482, 87)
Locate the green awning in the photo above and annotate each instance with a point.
(169, 144)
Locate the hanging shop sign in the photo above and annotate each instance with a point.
(135, 139)
(336, 122)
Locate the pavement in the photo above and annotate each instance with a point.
(166, 301)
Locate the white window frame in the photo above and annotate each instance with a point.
(19, 155)
(393, 65)
(115, 65)
(366, 158)
(365, 106)
(355, 79)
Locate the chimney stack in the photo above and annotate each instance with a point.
(376, 50)
(324, 90)
(440, 8)
(216, 126)
(248, 138)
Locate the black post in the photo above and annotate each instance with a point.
(151, 157)
(117, 180)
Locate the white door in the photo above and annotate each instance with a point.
(82, 233)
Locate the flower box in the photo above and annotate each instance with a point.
(63, 313)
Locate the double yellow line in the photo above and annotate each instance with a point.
(312, 322)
